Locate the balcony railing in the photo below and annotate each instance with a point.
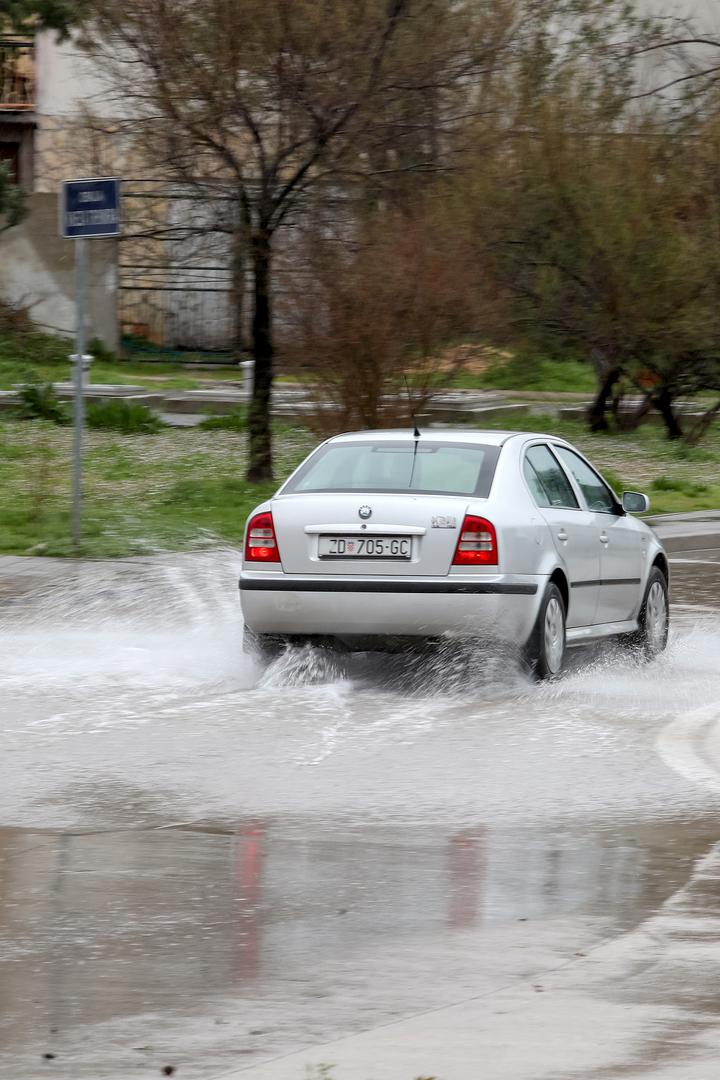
(17, 74)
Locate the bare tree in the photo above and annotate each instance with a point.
(369, 317)
(681, 59)
(282, 102)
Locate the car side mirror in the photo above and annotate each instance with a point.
(635, 503)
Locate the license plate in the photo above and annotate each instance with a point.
(365, 547)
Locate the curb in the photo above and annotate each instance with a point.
(674, 545)
(698, 531)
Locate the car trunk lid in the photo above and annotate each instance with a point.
(404, 535)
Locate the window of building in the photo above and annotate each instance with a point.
(10, 155)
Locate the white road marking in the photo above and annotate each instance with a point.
(690, 745)
(694, 562)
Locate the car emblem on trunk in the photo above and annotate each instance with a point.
(365, 512)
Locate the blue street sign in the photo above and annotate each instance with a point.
(90, 208)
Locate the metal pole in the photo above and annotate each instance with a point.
(79, 410)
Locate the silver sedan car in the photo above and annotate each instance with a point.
(387, 538)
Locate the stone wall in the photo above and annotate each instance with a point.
(37, 270)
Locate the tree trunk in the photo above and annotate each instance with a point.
(596, 413)
(238, 291)
(699, 429)
(260, 435)
(630, 421)
(664, 405)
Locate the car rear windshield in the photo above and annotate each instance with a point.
(399, 466)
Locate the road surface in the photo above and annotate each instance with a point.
(401, 869)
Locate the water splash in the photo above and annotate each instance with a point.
(306, 665)
(134, 672)
(140, 622)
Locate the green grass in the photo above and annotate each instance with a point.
(234, 421)
(185, 488)
(679, 484)
(37, 357)
(677, 478)
(174, 490)
(128, 417)
(525, 371)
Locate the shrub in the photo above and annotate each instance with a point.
(673, 483)
(99, 351)
(666, 483)
(38, 401)
(14, 318)
(526, 370)
(128, 417)
(232, 422)
(34, 348)
(359, 333)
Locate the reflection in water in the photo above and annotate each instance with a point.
(466, 864)
(96, 928)
(248, 855)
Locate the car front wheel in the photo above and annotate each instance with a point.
(546, 649)
(654, 619)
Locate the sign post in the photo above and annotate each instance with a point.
(88, 208)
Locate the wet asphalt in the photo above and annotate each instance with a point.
(207, 867)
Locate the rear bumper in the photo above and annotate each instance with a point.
(502, 607)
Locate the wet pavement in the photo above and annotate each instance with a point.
(208, 867)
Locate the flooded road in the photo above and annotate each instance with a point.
(207, 866)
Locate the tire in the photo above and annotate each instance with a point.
(654, 619)
(262, 647)
(546, 649)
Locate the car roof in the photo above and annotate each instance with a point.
(439, 435)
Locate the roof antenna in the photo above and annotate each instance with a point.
(416, 430)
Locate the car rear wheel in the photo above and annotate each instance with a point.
(546, 648)
(654, 619)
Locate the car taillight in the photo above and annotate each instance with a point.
(477, 545)
(261, 543)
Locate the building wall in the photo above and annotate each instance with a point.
(68, 88)
(37, 271)
(36, 264)
(175, 293)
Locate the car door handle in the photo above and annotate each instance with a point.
(562, 535)
(604, 538)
